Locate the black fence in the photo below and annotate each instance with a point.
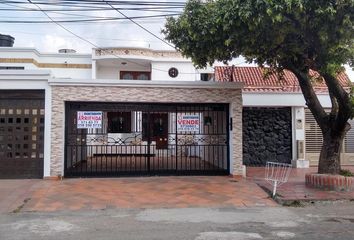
(120, 139)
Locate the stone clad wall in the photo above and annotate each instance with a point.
(267, 136)
(61, 94)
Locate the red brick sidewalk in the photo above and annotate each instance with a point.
(13, 193)
(147, 192)
(295, 188)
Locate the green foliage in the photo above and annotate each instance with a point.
(346, 173)
(280, 33)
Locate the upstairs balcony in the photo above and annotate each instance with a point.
(142, 64)
(127, 69)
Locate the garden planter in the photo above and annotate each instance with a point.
(330, 182)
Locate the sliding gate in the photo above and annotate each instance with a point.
(119, 139)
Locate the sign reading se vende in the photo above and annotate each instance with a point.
(89, 119)
(188, 123)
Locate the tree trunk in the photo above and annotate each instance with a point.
(329, 162)
(333, 125)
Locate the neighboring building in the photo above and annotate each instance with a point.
(115, 112)
(277, 125)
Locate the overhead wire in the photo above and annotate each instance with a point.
(93, 20)
(93, 44)
(97, 5)
(146, 19)
(99, 38)
(98, 2)
(139, 25)
(88, 20)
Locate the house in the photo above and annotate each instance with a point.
(137, 111)
(115, 112)
(277, 125)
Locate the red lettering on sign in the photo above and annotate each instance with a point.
(188, 122)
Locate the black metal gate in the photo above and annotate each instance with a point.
(120, 139)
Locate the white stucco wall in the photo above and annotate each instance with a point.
(29, 80)
(11, 52)
(186, 71)
(48, 58)
(280, 100)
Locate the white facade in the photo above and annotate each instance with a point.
(31, 59)
(103, 66)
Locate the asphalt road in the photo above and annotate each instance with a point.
(319, 221)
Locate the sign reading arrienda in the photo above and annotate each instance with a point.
(89, 119)
(188, 123)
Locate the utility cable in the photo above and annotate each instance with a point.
(93, 44)
(88, 20)
(139, 25)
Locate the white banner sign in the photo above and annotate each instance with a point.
(89, 119)
(188, 123)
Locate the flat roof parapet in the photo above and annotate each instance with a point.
(144, 52)
(145, 84)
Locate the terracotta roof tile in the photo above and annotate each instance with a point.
(254, 81)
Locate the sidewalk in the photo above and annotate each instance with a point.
(13, 193)
(295, 189)
(138, 192)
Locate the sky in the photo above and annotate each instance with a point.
(49, 37)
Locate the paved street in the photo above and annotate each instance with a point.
(322, 221)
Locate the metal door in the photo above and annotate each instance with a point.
(21, 134)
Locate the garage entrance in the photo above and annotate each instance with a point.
(119, 139)
(21, 133)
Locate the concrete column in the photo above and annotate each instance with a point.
(94, 70)
(47, 131)
(298, 119)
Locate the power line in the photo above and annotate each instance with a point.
(97, 5)
(89, 20)
(139, 25)
(98, 38)
(65, 13)
(98, 2)
(93, 44)
(96, 46)
(87, 10)
(102, 19)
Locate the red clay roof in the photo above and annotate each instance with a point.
(254, 81)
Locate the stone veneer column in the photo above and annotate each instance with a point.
(238, 169)
(62, 94)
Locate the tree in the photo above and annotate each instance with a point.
(297, 35)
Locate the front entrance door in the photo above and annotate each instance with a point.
(155, 128)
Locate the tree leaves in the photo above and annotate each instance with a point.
(266, 31)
